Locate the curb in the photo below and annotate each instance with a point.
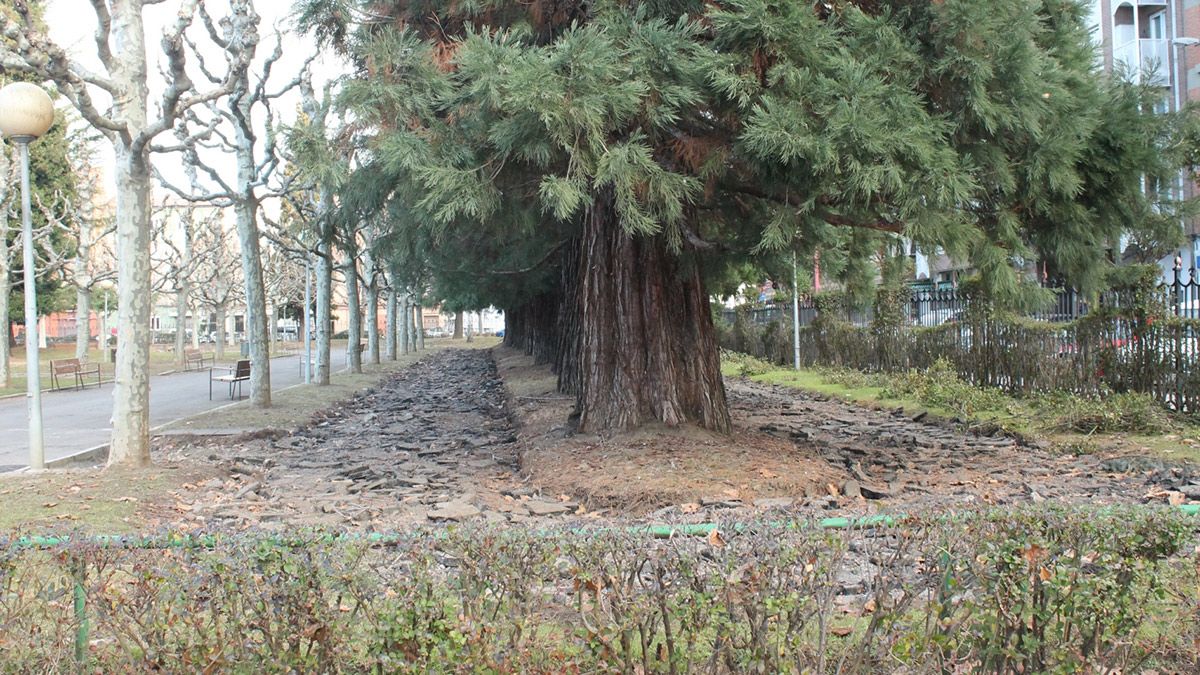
(99, 452)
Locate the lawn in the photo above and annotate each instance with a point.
(1118, 422)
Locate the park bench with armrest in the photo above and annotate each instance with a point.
(77, 370)
(194, 359)
(234, 377)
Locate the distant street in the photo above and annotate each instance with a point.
(78, 420)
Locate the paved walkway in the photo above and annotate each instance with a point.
(74, 421)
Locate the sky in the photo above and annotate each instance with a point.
(73, 25)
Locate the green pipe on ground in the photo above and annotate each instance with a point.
(384, 538)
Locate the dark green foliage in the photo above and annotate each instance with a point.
(756, 124)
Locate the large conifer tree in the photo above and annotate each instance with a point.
(587, 165)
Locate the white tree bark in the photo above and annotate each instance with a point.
(324, 309)
(420, 327)
(131, 394)
(354, 334)
(371, 285)
(390, 335)
(405, 321)
(412, 323)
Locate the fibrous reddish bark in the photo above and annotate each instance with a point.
(647, 347)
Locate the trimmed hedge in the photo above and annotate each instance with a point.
(1030, 590)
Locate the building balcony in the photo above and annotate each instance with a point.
(1147, 60)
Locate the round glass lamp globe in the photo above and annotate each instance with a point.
(26, 110)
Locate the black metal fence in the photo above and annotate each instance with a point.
(1111, 343)
(930, 308)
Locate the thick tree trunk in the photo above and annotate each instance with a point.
(647, 346)
(257, 331)
(458, 324)
(83, 322)
(131, 393)
(405, 322)
(324, 309)
(533, 327)
(420, 327)
(354, 332)
(371, 284)
(412, 324)
(390, 335)
(245, 208)
(567, 336)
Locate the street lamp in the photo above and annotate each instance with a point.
(26, 112)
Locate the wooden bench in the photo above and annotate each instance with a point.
(193, 359)
(64, 367)
(235, 377)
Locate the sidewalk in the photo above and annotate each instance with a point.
(74, 421)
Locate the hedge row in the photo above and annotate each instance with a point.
(1037, 590)
(1116, 349)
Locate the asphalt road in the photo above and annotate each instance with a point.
(74, 421)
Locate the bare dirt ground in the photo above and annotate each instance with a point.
(482, 435)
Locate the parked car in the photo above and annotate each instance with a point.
(937, 317)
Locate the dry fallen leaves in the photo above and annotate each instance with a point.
(841, 631)
(715, 539)
(690, 507)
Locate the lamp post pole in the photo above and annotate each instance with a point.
(26, 112)
(33, 378)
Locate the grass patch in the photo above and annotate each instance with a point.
(1071, 422)
(86, 499)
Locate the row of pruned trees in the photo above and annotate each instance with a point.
(215, 116)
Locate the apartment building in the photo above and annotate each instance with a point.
(1157, 42)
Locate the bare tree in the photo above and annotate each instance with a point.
(176, 259)
(218, 280)
(85, 262)
(121, 48)
(237, 36)
(319, 166)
